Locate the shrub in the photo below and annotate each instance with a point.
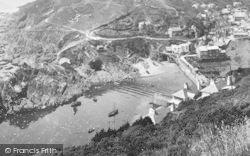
(229, 141)
(96, 64)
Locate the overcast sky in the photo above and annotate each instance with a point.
(11, 5)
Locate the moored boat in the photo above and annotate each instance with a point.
(113, 113)
(75, 104)
(91, 130)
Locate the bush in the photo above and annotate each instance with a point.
(143, 121)
(222, 141)
(96, 64)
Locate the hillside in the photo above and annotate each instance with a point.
(180, 133)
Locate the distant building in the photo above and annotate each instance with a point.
(143, 25)
(211, 5)
(174, 31)
(201, 16)
(237, 4)
(240, 33)
(181, 48)
(196, 5)
(203, 5)
(225, 11)
(210, 53)
(240, 15)
(209, 90)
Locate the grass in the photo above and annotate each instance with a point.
(224, 141)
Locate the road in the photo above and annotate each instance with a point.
(90, 36)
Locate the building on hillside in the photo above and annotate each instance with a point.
(174, 31)
(178, 49)
(240, 34)
(143, 25)
(196, 5)
(209, 90)
(225, 11)
(201, 16)
(229, 85)
(156, 114)
(203, 5)
(211, 5)
(214, 87)
(237, 4)
(240, 15)
(210, 53)
(178, 97)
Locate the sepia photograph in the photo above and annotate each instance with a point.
(124, 77)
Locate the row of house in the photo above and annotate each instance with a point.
(158, 111)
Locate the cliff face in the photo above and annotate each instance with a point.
(31, 88)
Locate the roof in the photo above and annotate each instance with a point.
(183, 94)
(212, 48)
(161, 113)
(203, 48)
(175, 29)
(212, 88)
(240, 14)
(174, 101)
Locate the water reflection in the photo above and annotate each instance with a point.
(23, 119)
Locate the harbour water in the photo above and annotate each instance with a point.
(70, 126)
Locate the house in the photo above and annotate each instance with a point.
(174, 31)
(211, 5)
(156, 114)
(237, 4)
(240, 15)
(196, 5)
(203, 5)
(229, 85)
(215, 87)
(240, 33)
(178, 49)
(201, 16)
(143, 25)
(225, 11)
(210, 52)
(178, 97)
(209, 90)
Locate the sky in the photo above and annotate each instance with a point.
(12, 5)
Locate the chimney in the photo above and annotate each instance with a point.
(199, 85)
(185, 95)
(212, 81)
(186, 86)
(229, 81)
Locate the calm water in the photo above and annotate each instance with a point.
(70, 126)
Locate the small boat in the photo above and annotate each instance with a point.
(114, 112)
(95, 99)
(91, 130)
(117, 82)
(76, 104)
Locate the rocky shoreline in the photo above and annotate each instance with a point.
(30, 88)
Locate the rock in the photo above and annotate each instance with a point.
(27, 104)
(63, 87)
